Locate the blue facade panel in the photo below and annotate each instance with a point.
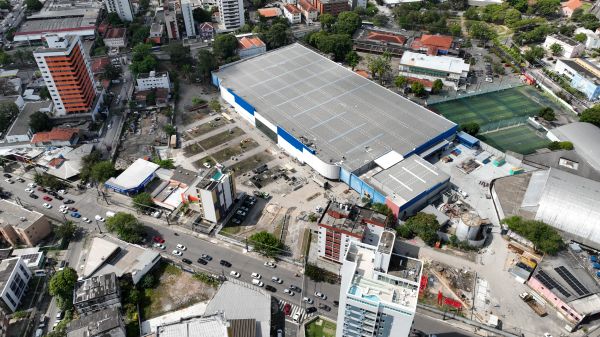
(433, 141)
(345, 176)
(466, 139)
(215, 79)
(356, 183)
(241, 102)
(421, 196)
(293, 141)
(378, 197)
(587, 86)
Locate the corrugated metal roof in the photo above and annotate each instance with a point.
(585, 138)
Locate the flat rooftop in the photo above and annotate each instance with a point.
(105, 323)
(95, 287)
(351, 218)
(16, 216)
(407, 179)
(21, 124)
(448, 64)
(54, 25)
(6, 268)
(583, 71)
(374, 286)
(565, 39)
(343, 116)
(134, 175)
(212, 326)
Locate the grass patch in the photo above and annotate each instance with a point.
(521, 139)
(306, 241)
(206, 127)
(221, 138)
(252, 162)
(320, 328)
(171, 270)
(231, 230)
(278, 229)
(228, 152)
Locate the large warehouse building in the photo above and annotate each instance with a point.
(344, 126)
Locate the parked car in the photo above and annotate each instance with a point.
(158, 239)
(295, 288)
(9, 181)
(99, 218)
(310, 310)
(296, 317)
(320, 294)
(29, 190)
(47, 198)
(206, 257)
(33, 196)
(52, 193)
(202, 262)
(257, 283)
(225, 263)
(41, 189)
(6, 175)
(270, 264)
(308, 300)
(240, 213)
(186, 261)
(176, 252)
(75, 215)
(159, 246)
(288, 291)
(234, 274)
(68, 201)
(276, 279)
(58, 197)
(270, 288)
(21, 180)
(287, 309)
(46, 205)
(324, 307)
(336, 303)
(256, 276)
(181, 247)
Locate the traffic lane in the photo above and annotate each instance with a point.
(433, 326)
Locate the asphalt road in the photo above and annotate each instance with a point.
(90, 204)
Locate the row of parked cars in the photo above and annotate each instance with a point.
(242, 212)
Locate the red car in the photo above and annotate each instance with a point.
(47, 198)
(73, 209)
(158, 239)
(41, 189)
(287, 309)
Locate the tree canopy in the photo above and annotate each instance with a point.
(126, 227)
(142, 60)
(225, 47)
(278, 35)
(34, 5)
(207, 62)
(8, 110)
(337, 44)
(38, 122)
(543, 236)
(179, 53)
(143, 201)
(423, 225)
(201, 15)
(102, 171)
(61, 287)
(471, 128)
(547, 113)
(437, 86)
(66, 231)
(591, 115)
(347, 23)
(266, 243)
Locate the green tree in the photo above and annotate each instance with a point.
(437, 86)
(417, 88)
(545, 238)
(266, 243)
(556, 49)
(534, 53)
(165, 163)
(207, 62)
(148, 281)
(379, 66)
(126, 227)
(546, 8)
(5, 58)
(347, 23)
(482, 31)
(61, 287)
(581, 37)
(111, 72)
(458, 5)
(201, 15)
(380, 20)
(400, 82)
(139, 33)
(33, 5)
(352, 58)
(278, 35)
(471, 128)
(8, 111)
(169, 129)
(44, 93)
(114, 19)
(547, 113)
(214, 105)
(225, 46)
(591, 115)
(327, 21)
(577, 14)
(198, 101)
(39, 122)
(5, 4)
(424, 225)
(66, 231)
(179, 53)
(142, 60)
(102, 171)
(48, 181)
(560, 146)
(472, 13)
(143, 202)
(455, 29)
(88, 162)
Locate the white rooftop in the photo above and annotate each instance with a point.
(213, 326)
(449, 64)
(135, 174)
(150, 326)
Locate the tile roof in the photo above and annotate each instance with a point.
(306, 5)
(386, 37)
(99, 63)
(269, 12)
(54, 134)
(572, 4)
(114, 33)
(440, 41)
(248, 42)
(206, 26)
(292, 9)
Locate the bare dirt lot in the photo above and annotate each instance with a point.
(143, 130)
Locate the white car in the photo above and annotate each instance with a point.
(176, 252)
(321, 295)
(99, 218)
(256, 276)
(207, 165)
(296, 317)
(31, 185)
(234, 274)
(308, 300)
(289, 292)
(159, 246)
(86, 220)
(181, 247)
(47, 205)
(276, 279)
(9, 181)
(62, 192)
(64, 211)
(29, 190)
(547, 334)
(270, 264)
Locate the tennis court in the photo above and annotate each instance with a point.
(521, 139)
(496, 109)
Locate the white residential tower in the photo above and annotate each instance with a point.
(188, 18)
(231, 14)
(121, 7)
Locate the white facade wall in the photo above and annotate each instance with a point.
(38, 36)
(231, 14)
(563, 69)
(253, 51)
(137, 275)
(207, 201)
(293, 18)
(188, 18)
(153, 81)
(18, 280)
(569, 51)
(118, 42)
(121, 7)
(592, 39)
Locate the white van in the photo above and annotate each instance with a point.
(257, 283)
(110, 214)
(39, 272)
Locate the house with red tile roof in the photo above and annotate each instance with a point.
(386, 37)
(377, 41)
(269, 13)
(433, 44)
(292, 13)
(570, 6)
(116, 38)
(56, 137)
(206, 30)
(309, 12)
(250, 45)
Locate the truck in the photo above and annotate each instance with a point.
(533, 304)
(110, 214)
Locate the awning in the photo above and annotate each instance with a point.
(434, 148)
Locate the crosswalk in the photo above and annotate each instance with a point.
(295, 309)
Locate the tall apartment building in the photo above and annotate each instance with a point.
(342, 223)
(14, 278)
(188, 18)
(379, 290)
(67, 72)
(213, 194)
(123, 8)
(171, 24)
(20, 226)
(231, 14)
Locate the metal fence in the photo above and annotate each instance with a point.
(458, 95)
(503, 124)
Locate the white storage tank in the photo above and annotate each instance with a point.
(469, 227)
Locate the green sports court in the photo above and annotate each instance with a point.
(506, 111)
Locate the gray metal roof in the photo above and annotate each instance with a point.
(21, 124)
(585, 138)
(242, 301)
(565, 201)
(345, 116)
(407, 179)
(105, 323)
